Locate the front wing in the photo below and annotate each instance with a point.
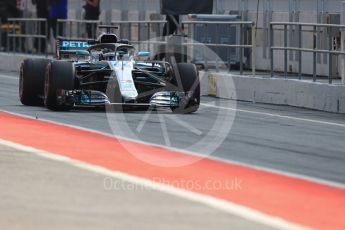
(170, 99)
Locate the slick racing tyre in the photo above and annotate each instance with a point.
(186, 80)
(60, 76)
(31, 81)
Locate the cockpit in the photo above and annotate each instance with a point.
(109, 56)
(125, 53)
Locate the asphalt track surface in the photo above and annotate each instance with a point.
(289, 140)
(39, 193)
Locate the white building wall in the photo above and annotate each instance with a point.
(268, 10)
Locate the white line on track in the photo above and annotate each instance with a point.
(226, 206)
(274, 115)
(9, 77)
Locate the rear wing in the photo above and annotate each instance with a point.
(66, 47)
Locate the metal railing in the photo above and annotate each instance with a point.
(77, 29)
(24, 35)
(240, 44)
(149, 33)
(144, 30)
(27, 34)
(285, 26)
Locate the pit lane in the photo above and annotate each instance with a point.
(298, 142)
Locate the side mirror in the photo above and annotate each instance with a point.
(143, 54)
(82, 53)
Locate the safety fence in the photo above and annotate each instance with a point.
(77, 29)
(227, 41)
(231, 42)
(28, 35)
(309, 32)
(24, 35)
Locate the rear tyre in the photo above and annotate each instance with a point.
(186, 79)
(60, 76)
(31, 81)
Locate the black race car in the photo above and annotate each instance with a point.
(107, 71)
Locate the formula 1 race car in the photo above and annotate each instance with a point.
(107, 71)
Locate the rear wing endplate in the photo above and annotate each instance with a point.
(70, 46)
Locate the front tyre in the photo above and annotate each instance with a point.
(60, 77)
(186, 80)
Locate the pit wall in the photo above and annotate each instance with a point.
(305, 94)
